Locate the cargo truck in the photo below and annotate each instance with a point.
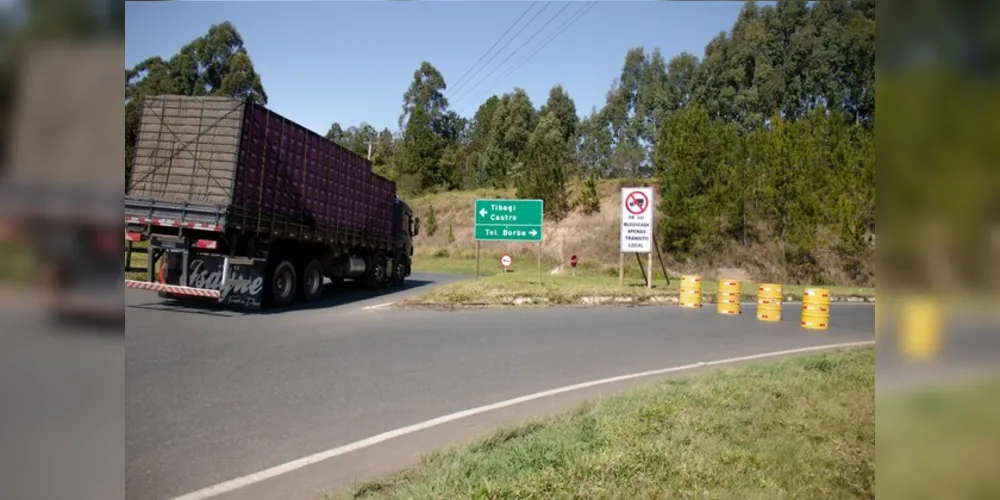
(242, 206)
(61, 188)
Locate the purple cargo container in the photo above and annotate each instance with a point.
(263, 166)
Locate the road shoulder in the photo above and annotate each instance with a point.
(404, 451)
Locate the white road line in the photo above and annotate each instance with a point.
(379, 306)
(256, 477)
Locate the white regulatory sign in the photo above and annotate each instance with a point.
(637, 220)
(506, 261)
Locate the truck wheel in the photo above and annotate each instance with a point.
(377, 275)
(312, 281)
(282, 285)
(399, 270)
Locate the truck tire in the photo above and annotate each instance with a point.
(282, 283)
(376, 277)
(311, 282)
(399, 270)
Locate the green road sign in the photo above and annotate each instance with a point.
(509, 220)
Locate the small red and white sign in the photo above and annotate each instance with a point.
(573, 261)
(506, 261)
(637, 220)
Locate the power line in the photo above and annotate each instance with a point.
(455, 90)
(564, 27)
(516, 51)
(580, 13)
(459, 81)
(512, 54)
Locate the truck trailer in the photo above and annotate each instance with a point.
(242, 206)
(61, 188)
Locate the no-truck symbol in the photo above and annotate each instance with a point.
(636, 202)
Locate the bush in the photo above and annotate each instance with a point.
(431, 221)
(589, 200)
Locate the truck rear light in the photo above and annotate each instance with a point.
(206, 244)
(133, 236)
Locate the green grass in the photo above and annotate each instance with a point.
(557, 289)
(495, 287)
(137, 270)
(463, 260)
(445, 264)
(940, 443)
(18, 265)
(800, 428)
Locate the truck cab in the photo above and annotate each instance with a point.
(404, 228)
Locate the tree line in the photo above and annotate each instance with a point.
(216, 64)
(768, 135)
(25, 26)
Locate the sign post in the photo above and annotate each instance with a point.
(509, 220)
(477, 261)
(621, 269)
(506, 261)
(539, 264)
(636, 233)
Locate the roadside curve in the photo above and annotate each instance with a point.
(334, 300)
(294, 465)
(212, 396)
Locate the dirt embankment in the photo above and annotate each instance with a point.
(594, 238)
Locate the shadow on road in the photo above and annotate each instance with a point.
(333, 296)
(347, 293)
(87, 325)
(187, 306)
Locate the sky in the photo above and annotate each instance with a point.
(350, 62)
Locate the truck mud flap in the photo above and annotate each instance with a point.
(232, 281)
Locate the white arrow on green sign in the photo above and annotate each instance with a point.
(509, 220)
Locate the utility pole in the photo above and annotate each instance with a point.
(369, 142)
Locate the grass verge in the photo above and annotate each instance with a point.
(564, 288)
(18, 264)
(941, 442)
(136, 269)
(799, 428)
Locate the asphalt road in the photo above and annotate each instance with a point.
(968, 350)
(213, 395)
(61, 397)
